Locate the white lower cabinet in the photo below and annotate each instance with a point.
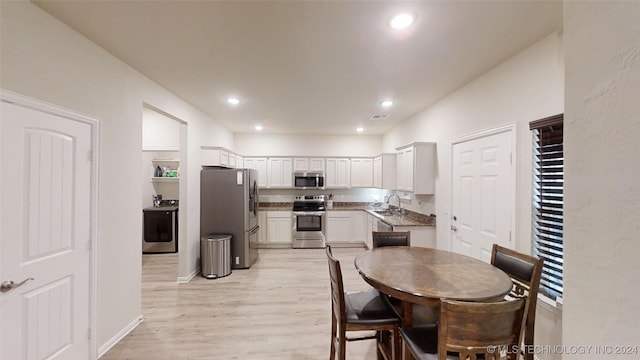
(370, 227)
(358, 227)
(346, 228)
(262, 223)
(277, 232)
(421, 236)
(338, 227)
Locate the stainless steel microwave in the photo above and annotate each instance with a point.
(308, 180)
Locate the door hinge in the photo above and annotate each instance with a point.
(90, 156)
(89, 334)
(511, 158)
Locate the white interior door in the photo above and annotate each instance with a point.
(45, 192)
(482, 192)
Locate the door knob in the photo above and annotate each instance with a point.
(454, 228)
(10, 285)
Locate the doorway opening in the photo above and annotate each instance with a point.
(164, 195)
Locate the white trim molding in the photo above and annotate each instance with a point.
(119, 336)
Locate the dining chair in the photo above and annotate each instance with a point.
(525, 272)
(359, 312)
(386, 238)
(469, 330)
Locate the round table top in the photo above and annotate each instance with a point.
(422, 275)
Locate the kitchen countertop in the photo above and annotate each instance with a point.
(409, 219)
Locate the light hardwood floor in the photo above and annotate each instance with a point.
(277, 309)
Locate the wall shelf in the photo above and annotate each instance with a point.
(164, 179)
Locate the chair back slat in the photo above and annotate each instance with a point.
(337, 289)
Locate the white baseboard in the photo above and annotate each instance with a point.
(119, 336)
(186, 279)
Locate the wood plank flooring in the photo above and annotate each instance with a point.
(277, 309)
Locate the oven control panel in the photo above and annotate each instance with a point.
(315, 198)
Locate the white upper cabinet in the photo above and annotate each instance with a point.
(260, 164)
(279, 173)
(308, 165)
(337, 174)
(218, 156)
(361, 172)
(385, 171)
(416, 168)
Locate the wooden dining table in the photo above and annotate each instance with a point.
(423, 276)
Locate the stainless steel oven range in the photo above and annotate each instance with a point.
(309, 222)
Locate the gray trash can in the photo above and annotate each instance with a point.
(215, 255)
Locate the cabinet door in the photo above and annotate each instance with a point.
(316, 165)
(262, 232)
(224, 158)
(214, 156)
(424, 168)
(358, 231)
(287, 173)
(370, 228)
(259, 164)
(337, 173)
(339, 228)
(405, 169)
(279, 173)
(278, 230)
(300, 164)
(211, 157)
(377, 172)
(361, 172)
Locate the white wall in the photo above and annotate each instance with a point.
(307, 145)
(602, 176)
(527, 87)
(159, 132)
(44, 59)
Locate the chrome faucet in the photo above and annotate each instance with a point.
(399, 202)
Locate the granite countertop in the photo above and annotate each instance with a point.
(409, 219)
(275, 206)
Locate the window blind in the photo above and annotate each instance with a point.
(548, 200)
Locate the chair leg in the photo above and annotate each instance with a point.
(382, 338)
(342, 351)
(397, 353)
(333, 338)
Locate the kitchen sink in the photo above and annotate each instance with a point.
(384, 212)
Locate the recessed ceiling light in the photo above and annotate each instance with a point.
(360, 129)
(386, 103)
(258, 128)
(401, 21)
(233, 101)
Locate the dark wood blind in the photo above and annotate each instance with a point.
(548, 201)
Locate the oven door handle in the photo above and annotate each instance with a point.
(307, 213)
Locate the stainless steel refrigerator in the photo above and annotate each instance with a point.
(229, 205)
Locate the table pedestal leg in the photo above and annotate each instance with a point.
(407, 320)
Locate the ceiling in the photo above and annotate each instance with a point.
(319, 67)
